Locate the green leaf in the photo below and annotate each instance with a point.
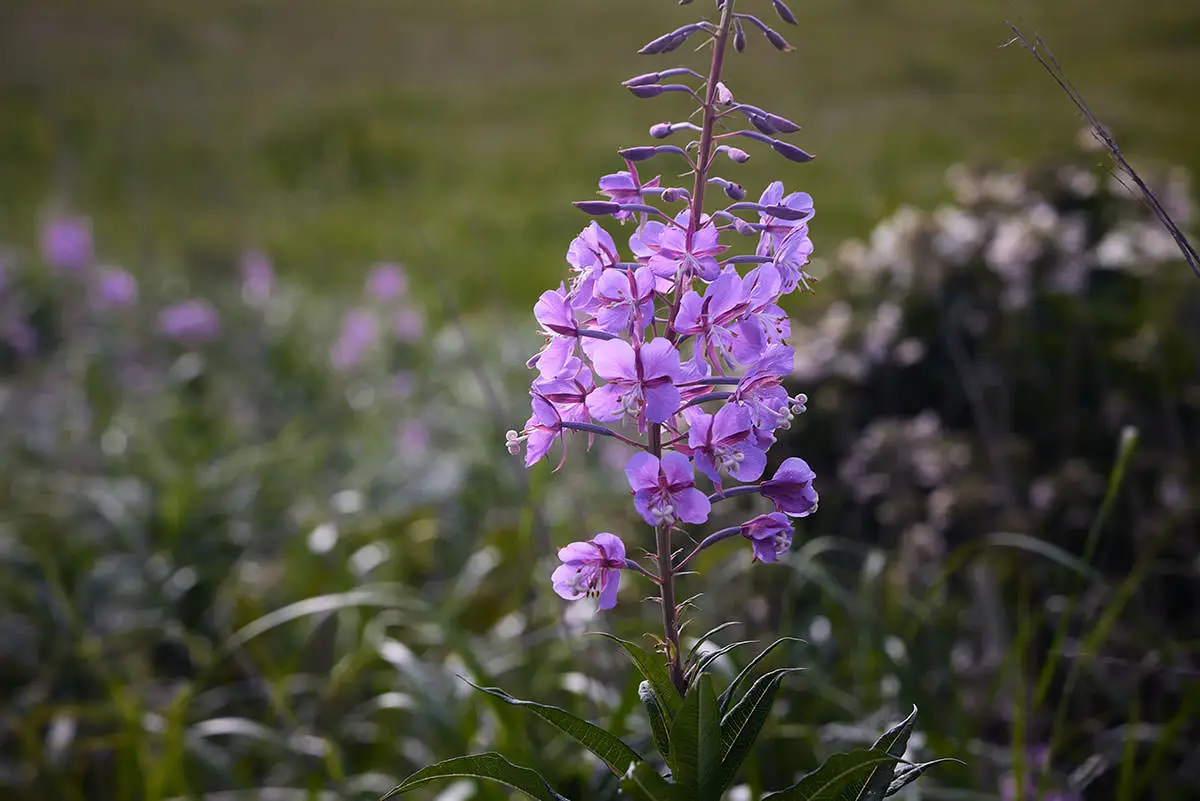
(490, 766)
(645, 784)
(843, 777)
(708, 635)
(655, 672)
(741, 725)
(894, 742)
(658, 724)
(908, 772)
(696, 742)
(703, 662)
(610, 749)
(727, 697)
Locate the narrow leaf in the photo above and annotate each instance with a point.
(708, 635)
(655, 672)
(645, 784)
(842, 778)
(894, 742)
(611, 750)
(741, 726)
(490, 766)
(696, 742)
(658, 723)
(727, 696)
(699, 666)
(908, 772)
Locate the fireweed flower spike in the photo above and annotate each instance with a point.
(673, 342)
(676, 341)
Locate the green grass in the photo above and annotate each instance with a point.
(453, 134)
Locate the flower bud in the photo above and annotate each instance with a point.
(784, 12)
(648, 90)
(778, 41)
(675, 194)
(791, 152)
(724, 96)
(642, 80)
(735, 192)
(739, 36)
(597, 207)
(744, 228)
(638, 153)
(735, 154)
(661, 130)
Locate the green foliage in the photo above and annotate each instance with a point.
(609, 748)
(843, 777)
(490, 767)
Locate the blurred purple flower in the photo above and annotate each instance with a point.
(114, 288)
(360, 332)
(770, 535)
(386, 282)
(258, 278)
(408, 325)
(591, 569)
(66, 242)
(190, 322)
(413, 437)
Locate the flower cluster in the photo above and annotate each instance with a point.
(679, 349)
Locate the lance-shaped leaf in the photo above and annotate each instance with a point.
(696, 742)
(645, 784)
(843, 777)
(611, 750)
(726, 697)
(654, 671)
(908, 772)
(894, 741)
(490, 766)
(701, 664)
(658, 722)
(708, 635)
(741, 725)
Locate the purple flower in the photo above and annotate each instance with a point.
(641, 382)
(567, 393)
(386, 282)
(622, 187)
(413, 437)
(790, 258)
(770, 535)
(720, 444)
(258, 278)
(626, 301)
(556, 314)
(774, 230)
(590, 254)
(190, 322)
(66, 242)
(669, 251)
(664, 491)
(711, 319)
(791, 489)
(760, 392)
(408, 325)
(114, 288)
(763, 322)
(360, 332)
(591, 569)
(541, 429)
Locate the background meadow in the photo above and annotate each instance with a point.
(247, 555)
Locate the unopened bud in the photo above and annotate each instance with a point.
(784, 12)
(735, 192)
(637, 153)
(674, 194)
(791, 152)
(778, 41)
(597, 207)
(647, 90)
(744, 228)
(642, 80)
(724, 96)
(739, 36)
(661, 130)
(736, 154)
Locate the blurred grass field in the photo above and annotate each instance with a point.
(453, 134)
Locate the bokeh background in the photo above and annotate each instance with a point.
(267, 272)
